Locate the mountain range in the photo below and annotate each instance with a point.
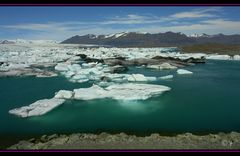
(139, 39)
(22, 41)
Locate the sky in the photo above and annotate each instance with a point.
(60, 23)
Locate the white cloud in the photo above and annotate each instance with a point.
(133, 19)
(208, 26)
(191, 15)
(197, 13)
(146, 23)
(48, 26)
(31, 26)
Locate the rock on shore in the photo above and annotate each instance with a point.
(124, 141)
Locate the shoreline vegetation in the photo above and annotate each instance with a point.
(212, 48)
(125, 141)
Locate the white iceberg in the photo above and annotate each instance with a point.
(89, 65)
(236, 57)
(132, 91)
(94, 92)
(166, 77)
(78, 77)
(82, 80)
(185, 56)
(37, 108)
(64, 94)
(183, 71)
(162, 66)
(74, 67)
(127, 91)
(69, 74)
(62, 67)
(105, 84)
(218, 57)
(140, 77)
(137, 77)
(17, 66)
(151, 78)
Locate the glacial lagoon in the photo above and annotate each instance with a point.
(206, 101)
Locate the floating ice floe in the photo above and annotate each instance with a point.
(137, 77)
(22, 70)
(37, 108)
(236, 57)
(183, 71)
(13, 66)
(105, 84)
(223, 57)
(131, 91)
(94, 92)
(64, 94)
(162, 66)
(62, 67)
(140, 77)
(127, 91)
(185, 56)
(218, 57)
(98, 72)
(166, 77)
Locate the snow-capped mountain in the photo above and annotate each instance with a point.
(113, 36)
(23, 41)
(199, 35)
(195, 35)
(116, 35)
(143, 39)
(6, 42)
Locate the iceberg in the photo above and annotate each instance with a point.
(105, 84)
(137, 91)
(218, 57)
(236, 57)
(137, 77)
(37, 108)
(162, 66)
(64, 94)
(120, 91)
(82, 80)
(62, 67)
(74, 67)
(17, 66)
(127, 91)
(94, 92)
(68, 74)
(183, 71)
(78, 77)
(140, 77)
(89, 65)
(166, 77)
(151, 78)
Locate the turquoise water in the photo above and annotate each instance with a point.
(207, 101)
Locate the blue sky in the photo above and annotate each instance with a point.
(59, 23)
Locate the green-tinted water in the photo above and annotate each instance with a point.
(207, 101)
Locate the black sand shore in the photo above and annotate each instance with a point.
(124, 141)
